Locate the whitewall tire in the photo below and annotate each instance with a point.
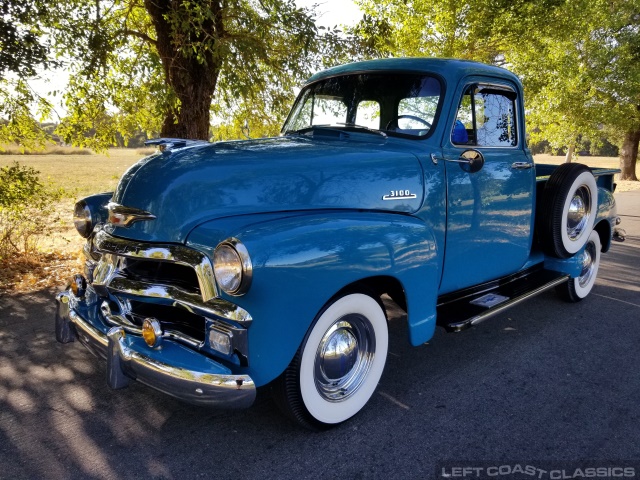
(338, 365)
(579, 287)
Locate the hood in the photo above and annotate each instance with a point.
(186, 187)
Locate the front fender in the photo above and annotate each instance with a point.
(302, 260)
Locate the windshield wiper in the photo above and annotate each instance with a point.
(366, 129)
(327, 126)
(305, 130)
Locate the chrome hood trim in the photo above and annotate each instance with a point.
(123, 216)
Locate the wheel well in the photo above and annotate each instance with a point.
(604, 232)
(378, 286)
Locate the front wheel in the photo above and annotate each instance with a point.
(339, 364)
(578, 288)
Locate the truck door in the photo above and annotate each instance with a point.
(490, 187)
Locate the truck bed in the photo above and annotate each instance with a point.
(604, 176)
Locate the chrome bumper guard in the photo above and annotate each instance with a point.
(128, 358)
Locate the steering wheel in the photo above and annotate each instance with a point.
(410, 117)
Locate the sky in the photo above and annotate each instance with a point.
(331, 13)
(334, 12)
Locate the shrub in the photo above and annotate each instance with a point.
(27, 209)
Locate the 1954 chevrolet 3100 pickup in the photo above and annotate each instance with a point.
(216, 268)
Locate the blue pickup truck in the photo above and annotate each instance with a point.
(217, 268)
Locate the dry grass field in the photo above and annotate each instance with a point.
(82, 173)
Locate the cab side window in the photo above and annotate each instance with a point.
(486, 117)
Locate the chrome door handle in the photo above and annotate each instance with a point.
(521, 165)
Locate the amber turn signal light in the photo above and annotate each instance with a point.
(151, 332)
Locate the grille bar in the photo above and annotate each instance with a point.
(178, 254)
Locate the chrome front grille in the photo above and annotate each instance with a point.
(124, 251)
(172, 276)
(172, 284)
(164, 273)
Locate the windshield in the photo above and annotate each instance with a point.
(398, 104)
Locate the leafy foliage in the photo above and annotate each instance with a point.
(24, 48)
(22, 45)
(468, 29)
(16, 102)
(26, 209)
(588, 81)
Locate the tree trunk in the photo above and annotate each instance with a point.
(193, 80)
(629, 155)
(569, 156)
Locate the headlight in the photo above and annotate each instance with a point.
(82, 219)
(232, 267)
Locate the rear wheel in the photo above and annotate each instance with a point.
(338, 365)
(578, 288)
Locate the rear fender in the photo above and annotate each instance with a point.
(606, 217)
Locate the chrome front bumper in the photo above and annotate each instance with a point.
(174, 369)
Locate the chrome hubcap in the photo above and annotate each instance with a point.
(344, 357)
(588, 265)
(579, 212)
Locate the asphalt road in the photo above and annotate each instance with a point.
(547, 384)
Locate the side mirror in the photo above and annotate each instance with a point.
(471, 161)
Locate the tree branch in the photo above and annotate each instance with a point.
(134, 33)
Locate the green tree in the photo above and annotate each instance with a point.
(23, 49)
(582, 75)
(157, 66)
(561, 97)
(467, 29)
(617, 68)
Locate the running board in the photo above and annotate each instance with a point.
(469, 307)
